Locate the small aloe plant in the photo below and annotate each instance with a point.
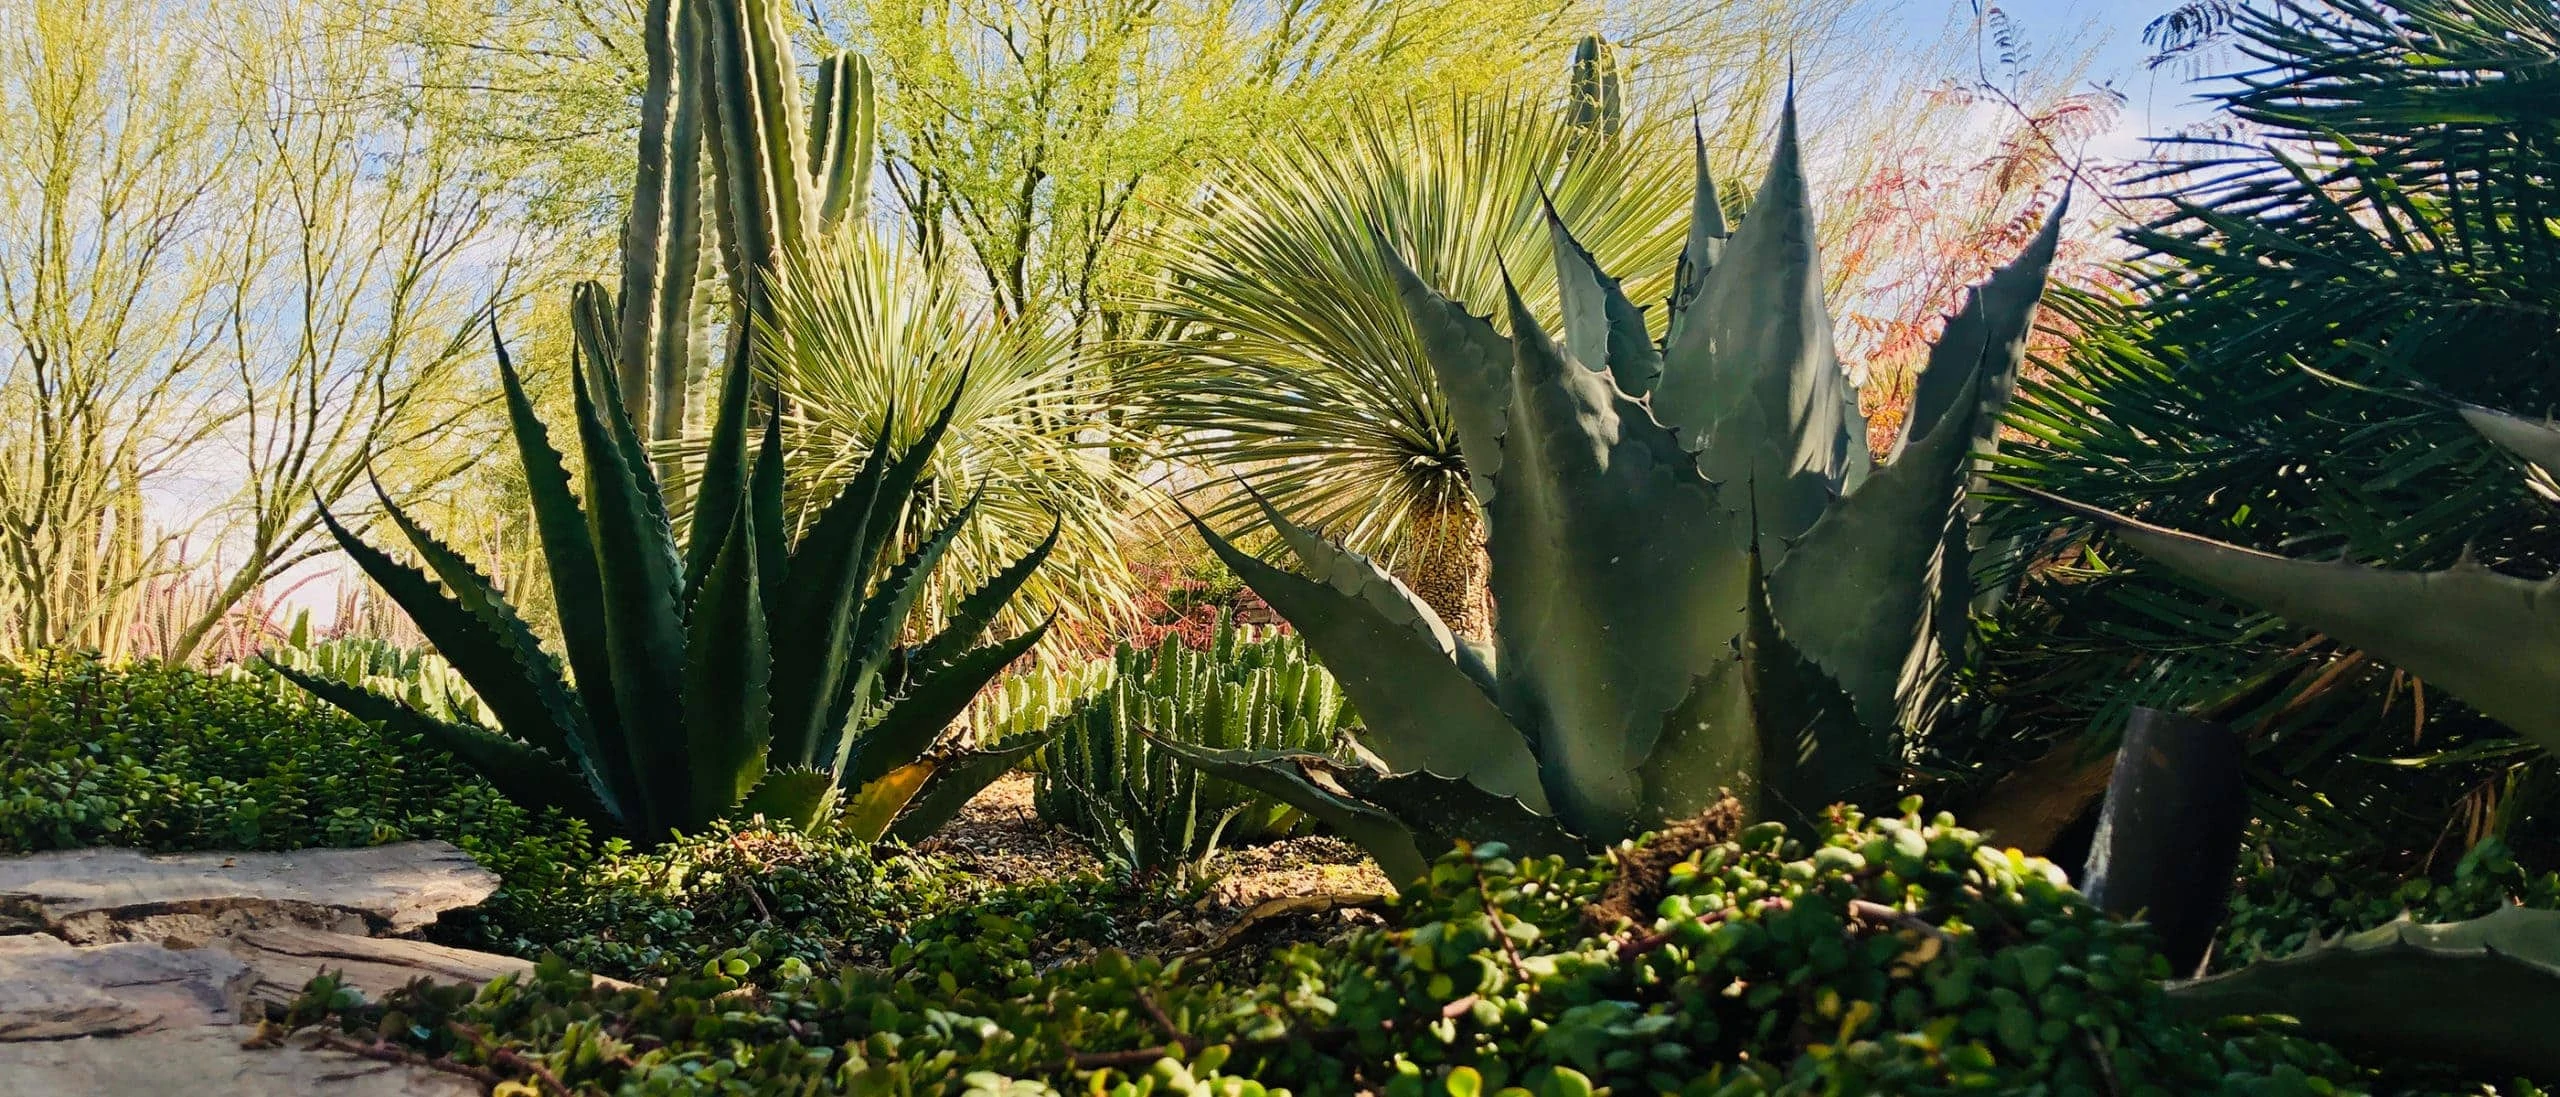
(735, 673)
(2483, 991)
(1701, 582)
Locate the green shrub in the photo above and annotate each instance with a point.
(167, 758)
(1103, 778)
(1893, 955)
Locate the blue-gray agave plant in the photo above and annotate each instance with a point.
(1701, 582)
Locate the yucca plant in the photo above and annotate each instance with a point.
(736, 673)
(2482, 992)
(1289, 362)
(1103, 777)
(1700, 582)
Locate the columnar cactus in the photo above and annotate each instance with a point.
(1701, 582)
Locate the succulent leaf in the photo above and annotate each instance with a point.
(2479, 992)
(822, 595)
(1422, 710)
(518, 771)
(1313, 783)
(568, 551)
(644, 623)
(874, 805)
(1362, 578)
(1707, 236)
(793, 796)
(727, 674)
(1752, 382)
(1602, 541)
(2536, 442)
(1603, 330)
(2427, 623)
(957, 781)
(911, 723)
(971, 617)
(1473, 365)
(1857, 591)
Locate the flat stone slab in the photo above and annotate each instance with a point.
(284, 958)
(51, 990)
(208, 1062)
(96, 896)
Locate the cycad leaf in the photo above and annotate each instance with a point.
(2479, 993)
(1603, 540)
(970, 619)
(1312, 783)
(2537, 442)
(2431, 624)
(1752, 382)
(1472, 363)
(1857, 591)
(912, 722)
(727, 706)
(1603, 330)
(644, 624)
(796, 798)
(518, 771)
(568, 551)
(957, 781)
(1420, 709)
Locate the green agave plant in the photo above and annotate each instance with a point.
(1700, 582)
(738, 673)
(2482, 991)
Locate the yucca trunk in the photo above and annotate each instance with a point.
(1442, 559)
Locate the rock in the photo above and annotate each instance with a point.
(209, 1062)
(51, 990)
(286, 957)
(93, 896)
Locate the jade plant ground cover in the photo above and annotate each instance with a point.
(1897, 953)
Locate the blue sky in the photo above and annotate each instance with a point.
(2156, 101)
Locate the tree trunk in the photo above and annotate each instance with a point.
(1443, 560)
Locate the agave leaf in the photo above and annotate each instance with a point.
(524, 690)
(876, 804)
(2430, 624)
(793, 797)
(1360, 577)
(1419, 707)
(1707, 236)
(957, 781)
(722, 489)
(822, 593)
(1752, 382)
(727, 669)
(1813, 750)
(1448, 809)
(568, 550)
(764, 503)
(2537, 442)
(884, 614)
(969, 620)
(898, 482)
(1602, 539)
(644, 621)
(1473, 364)
(1984, 342)
(1313, 783)
(913, 721)
(1603, 330)
(1856, 591)
(518, 771)
(2479, 993)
